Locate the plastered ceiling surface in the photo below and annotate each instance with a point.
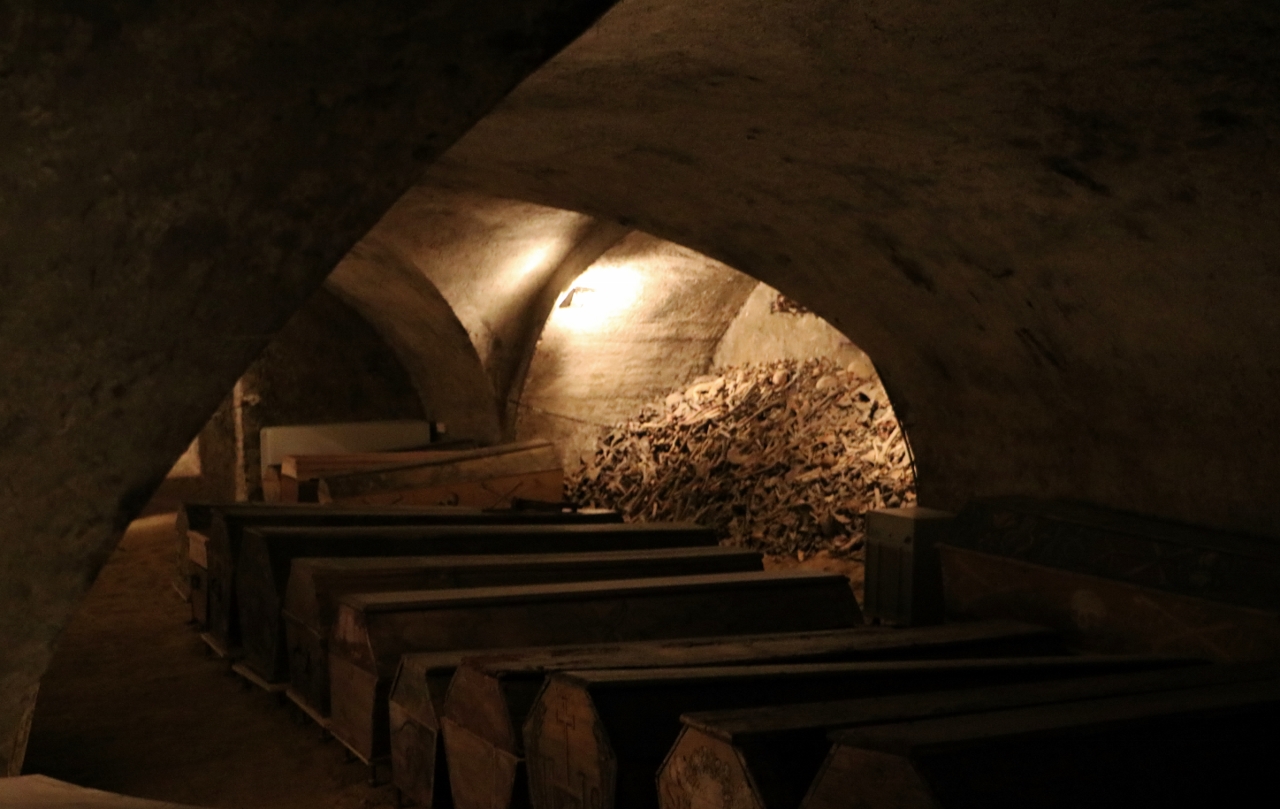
(644, 319)
(1052, 225)
(461, 284)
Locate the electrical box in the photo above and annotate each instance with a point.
(903, 571)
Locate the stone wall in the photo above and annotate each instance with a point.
(176, 181)
(641, 321)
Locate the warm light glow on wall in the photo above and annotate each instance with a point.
(600, 298)
(534, 259)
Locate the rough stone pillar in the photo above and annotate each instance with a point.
(176, 178)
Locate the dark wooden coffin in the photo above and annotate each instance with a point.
(490, 697)
(1105, 615)
(226, 524)
(314, 585)
(198, 545)
(768, 757)
(1208, 746)
(266, 555)
(1144, 551)
(598, 738)
(373, 630)
(415, 708)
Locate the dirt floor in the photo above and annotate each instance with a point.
(133, 704)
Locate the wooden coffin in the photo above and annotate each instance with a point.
(227, 523)
(766, 758)
(266, 555)
(489, 478)
(1105, 615)
(1207, 746)
(314, 585)
(598, 738)
(415, 707)
(1144, 551)
(373, 630)
(490, 697)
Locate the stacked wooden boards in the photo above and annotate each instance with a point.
(297, 477)
(209, 536)
(489, 477)
(315, 584)
(264, 563)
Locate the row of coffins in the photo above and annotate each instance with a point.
(558, 658)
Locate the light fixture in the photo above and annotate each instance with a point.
(600, 298)
(578, 296)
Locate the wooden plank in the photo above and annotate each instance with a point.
(1103, 614)
(290, 492)
(493, 475)
(368, 436)
(43, 792)
(599, 737)
(271, 486)
(199, 597)
(299, 475)
(491, 695)
(1145, 551)
(314, 585)
(416, 703)
(373, 630)
(190, 517)
(1191, 747)
(251, 677)
(217, 649)
(198, 573)
(308, 467)
(266, 554)
(306, 708)
(199, 548)
(496, 491)
(226, 523)
(771, 755)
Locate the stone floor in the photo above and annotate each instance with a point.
(133, 705)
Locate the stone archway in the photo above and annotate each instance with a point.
(1053, 228)
(177, 181)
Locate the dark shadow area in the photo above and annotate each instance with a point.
(132, 704)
